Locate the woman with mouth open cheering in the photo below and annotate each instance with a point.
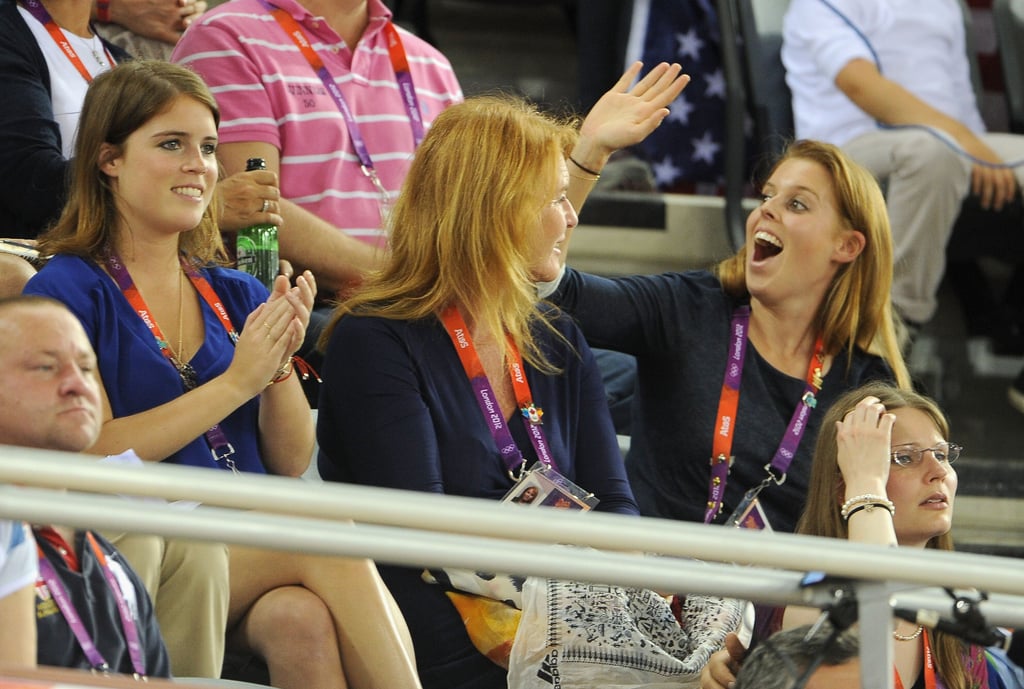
(796, 317)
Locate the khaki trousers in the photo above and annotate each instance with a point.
(188, 583)
(926, 182)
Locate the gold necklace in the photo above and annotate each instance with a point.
(900, 637)
(181, 319)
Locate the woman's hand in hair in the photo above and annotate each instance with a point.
(864, 437)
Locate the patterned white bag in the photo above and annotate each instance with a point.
(575, 635)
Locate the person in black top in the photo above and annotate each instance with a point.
(809, 292)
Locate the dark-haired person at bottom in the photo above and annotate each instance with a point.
(89, 603)
(820, 661)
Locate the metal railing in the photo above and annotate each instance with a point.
(427, 530)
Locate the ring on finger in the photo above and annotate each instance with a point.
(266, 205)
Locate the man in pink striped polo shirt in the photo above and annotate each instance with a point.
(334, 98)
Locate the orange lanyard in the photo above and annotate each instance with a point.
(488, 401)
(931, 678)
(725, 426)
(37, 10)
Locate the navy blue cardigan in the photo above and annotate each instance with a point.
(31, 164)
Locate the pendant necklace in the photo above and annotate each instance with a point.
(181, 320)
(97, 53)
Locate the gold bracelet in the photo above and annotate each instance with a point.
(282, 374)
(585, 179)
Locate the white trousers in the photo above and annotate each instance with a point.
(926, 183)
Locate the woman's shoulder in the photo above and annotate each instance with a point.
(9, 16)
(66, 262)
(567, 347)
(359, 322)
(64, 270)
(85, 289)
(369, 331)
(18, 37)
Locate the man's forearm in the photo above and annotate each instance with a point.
(336, 259)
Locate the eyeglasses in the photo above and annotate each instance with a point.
(910, 456)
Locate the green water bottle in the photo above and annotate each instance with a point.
(256, 246)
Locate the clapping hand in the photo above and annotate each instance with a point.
(273, 332)
(300, 297)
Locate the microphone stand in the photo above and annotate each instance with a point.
(871, 603)
(968, 622)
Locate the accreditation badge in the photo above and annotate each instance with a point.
(543, 486)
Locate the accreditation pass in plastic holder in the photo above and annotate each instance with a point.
(749, 514)
(543, 486)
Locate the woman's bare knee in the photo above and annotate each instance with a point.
(289, 620)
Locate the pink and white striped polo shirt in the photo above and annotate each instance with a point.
(268, 92)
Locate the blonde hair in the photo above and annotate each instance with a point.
(821, 515)
(464, 219)
(857, 308)
(117, 103)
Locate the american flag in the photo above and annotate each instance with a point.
(686, 153)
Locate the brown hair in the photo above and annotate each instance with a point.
(857, 309)
(821, 515)
(117, 103)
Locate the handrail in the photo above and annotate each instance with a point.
(454, 514)
(418, 529)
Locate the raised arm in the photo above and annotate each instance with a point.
(863, 436)
(623, 116)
